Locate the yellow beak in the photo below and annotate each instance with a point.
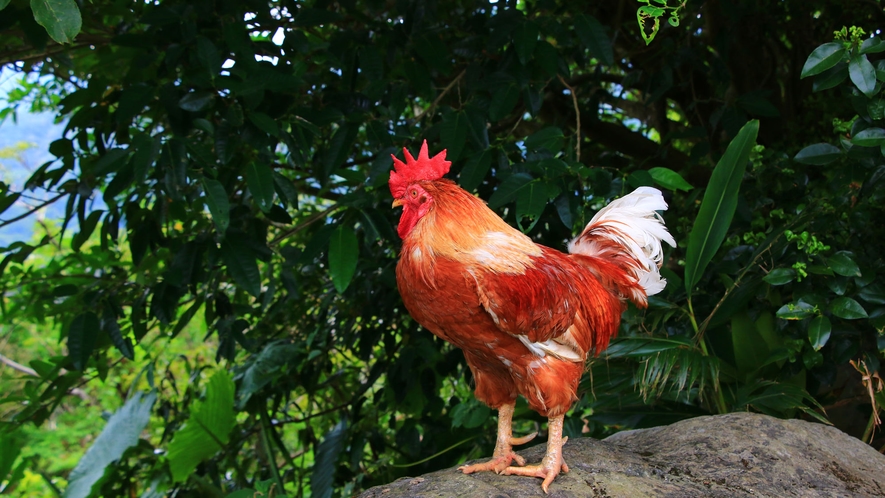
(398, 202)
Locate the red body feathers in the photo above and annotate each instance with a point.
(526, 316)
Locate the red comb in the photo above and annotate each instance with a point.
(423, 168)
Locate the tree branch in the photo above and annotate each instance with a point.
(30, 371)
(437, 100)
(32, 211)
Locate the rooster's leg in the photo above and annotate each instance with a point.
(552, 463)
(504, 454)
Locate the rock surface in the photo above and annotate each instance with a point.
(734, 455)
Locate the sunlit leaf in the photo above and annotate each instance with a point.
(120, 433)
(669, 179)
(61, 18)
(206, 430)
(824, 57)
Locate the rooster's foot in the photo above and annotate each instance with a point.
(548, 469)
(497, 464)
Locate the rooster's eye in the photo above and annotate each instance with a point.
(414, 193)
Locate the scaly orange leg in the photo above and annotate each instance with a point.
(552, 463)
(504, 454)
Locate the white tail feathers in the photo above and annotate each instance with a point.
(629, 231)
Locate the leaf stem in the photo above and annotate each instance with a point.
(721, 407)
(268, 448)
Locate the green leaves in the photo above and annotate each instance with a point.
(871, 137)
(819, 332)
(593, 36)
(207, 429)
(259, 178)
(719, 204)
(241, 264)
(216, 200)
(531, 200)
(82, 336)
(824, 57)
(669, 179)
(818, 154)
(326, 461)
(847, 308)
(61, 18)
(843, 264)
(862, 74)
(343, 256)
(119, 434)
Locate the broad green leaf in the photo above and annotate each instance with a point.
(207, 429)
(61, 18)
(862, 74)
(796, 311)
(259, 178)
(112, 329)
(8, 200)
(831, 77)
(750, 349)
(110, 161)
(9, 451)
(525, 37)
(453, 132)
(819, 329)
(719, 204)
(871, 137)
(669, 179)
(592, 35)
(82, 336)
(3, 4)
(475, 170)
(86, 229)
(265, 123)
(219, 206)
(120, 433)
(507, 190)
(847, 308)
(327, 452)
(286, 189)
(503, 101)
(344, 251)
(530, 202)
(241, 264)
(780, 276)
(265, 367)
(818, 154)
(843, 264)
(196, 101)
(872, 46)
(470, 414)
(550, 139)
(824, 57)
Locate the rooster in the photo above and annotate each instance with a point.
(526, 316)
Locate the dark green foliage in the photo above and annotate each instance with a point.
(223, 180)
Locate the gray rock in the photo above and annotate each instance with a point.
(734, 455)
